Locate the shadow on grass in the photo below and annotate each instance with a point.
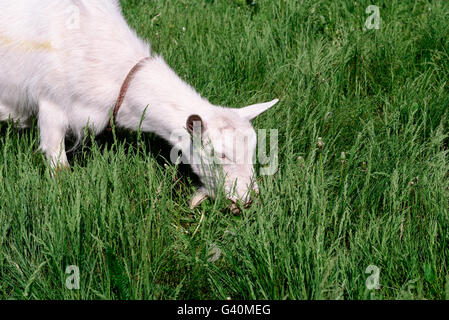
(155, 147)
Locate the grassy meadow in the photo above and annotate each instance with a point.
(374, 193)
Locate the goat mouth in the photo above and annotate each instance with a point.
(236, 208)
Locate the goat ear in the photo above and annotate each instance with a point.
(251, 112)
(194, 124)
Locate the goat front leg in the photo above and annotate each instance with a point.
(53, 124)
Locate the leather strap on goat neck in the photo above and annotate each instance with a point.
(124, 89)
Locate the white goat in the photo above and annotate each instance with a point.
(65, 61)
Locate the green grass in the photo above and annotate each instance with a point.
(379, 96)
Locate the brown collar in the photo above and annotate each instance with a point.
(124, 89)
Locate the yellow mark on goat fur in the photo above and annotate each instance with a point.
(26, 45)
